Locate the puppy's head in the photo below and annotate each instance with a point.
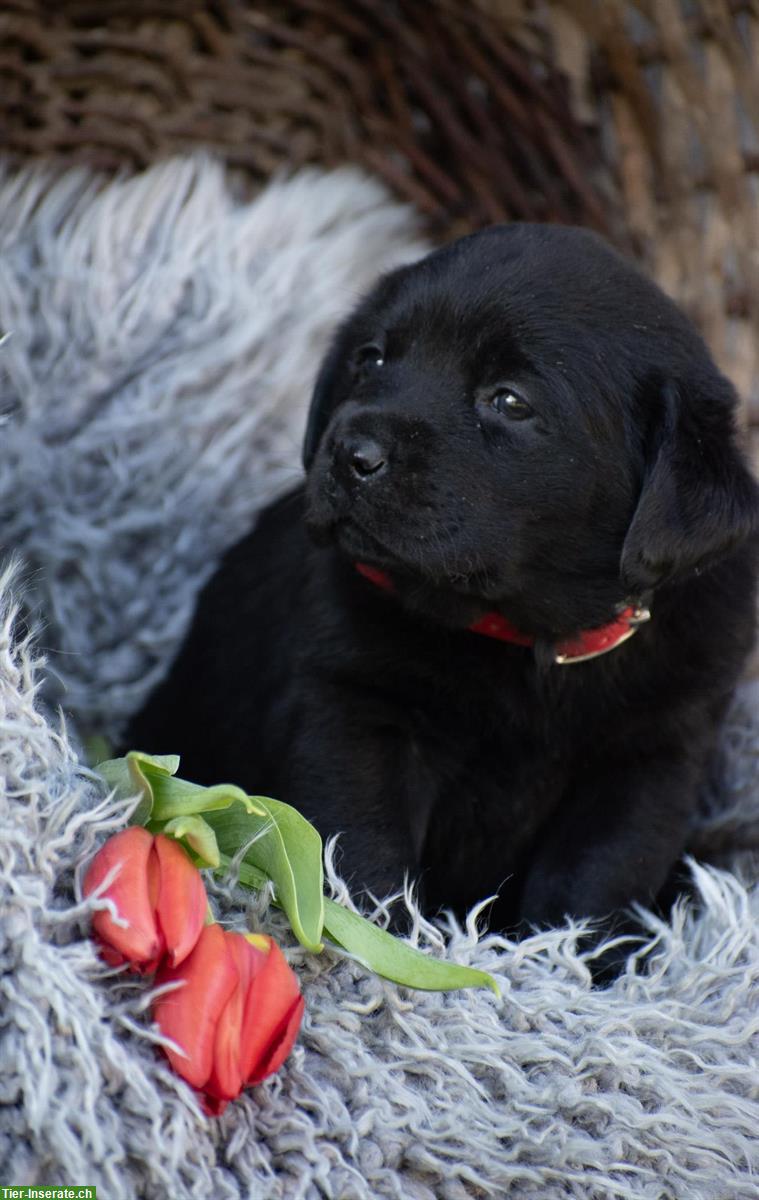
(523, 420)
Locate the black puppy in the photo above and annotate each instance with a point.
(516, 448)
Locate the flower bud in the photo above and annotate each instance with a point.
(235, 1016)
(158, 893)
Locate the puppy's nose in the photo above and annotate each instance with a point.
(364, 456)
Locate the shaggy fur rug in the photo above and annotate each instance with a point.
(162, 336)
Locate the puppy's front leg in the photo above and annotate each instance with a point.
(353, 772)
(613, 840)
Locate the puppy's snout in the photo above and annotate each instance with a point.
(363, 456)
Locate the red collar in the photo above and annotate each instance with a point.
(588, 644)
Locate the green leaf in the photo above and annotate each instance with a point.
(165, 797)
(289, 850)
(178, 798)
(199, 836)
(129, 777)
(393, 959)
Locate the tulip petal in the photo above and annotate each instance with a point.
(270, 1016)
(189, 1014)
(139, 942)
(181, 903)
(280, 1045)
(226, 1079)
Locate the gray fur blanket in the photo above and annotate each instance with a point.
(161, 339)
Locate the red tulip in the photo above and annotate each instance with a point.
(235, 1016)
(156, 890)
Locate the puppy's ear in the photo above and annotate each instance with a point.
(324, 398)
(699, 499)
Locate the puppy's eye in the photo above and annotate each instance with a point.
(370, 355)
(509, 404)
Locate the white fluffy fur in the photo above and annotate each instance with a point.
(163, 341)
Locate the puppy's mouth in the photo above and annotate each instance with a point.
(355, 541)
(409, 560)
(332, 519)
(408, 544)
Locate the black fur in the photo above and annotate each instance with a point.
(472, 764)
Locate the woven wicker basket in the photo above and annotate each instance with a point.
(638, 117)
(674, 88)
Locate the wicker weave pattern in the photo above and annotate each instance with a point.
(676, 88)
(638, 117)
(437, 98)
